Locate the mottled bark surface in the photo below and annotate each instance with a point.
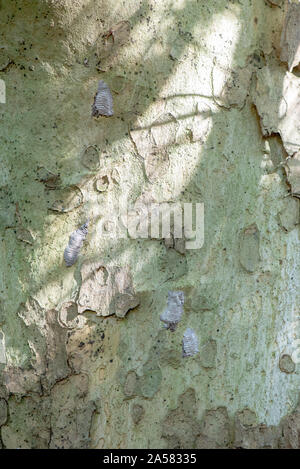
(206, 109)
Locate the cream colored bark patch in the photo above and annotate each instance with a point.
(2, 348)
(90, 158)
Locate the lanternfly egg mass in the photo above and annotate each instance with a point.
(103, 101)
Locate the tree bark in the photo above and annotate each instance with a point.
(206, 110)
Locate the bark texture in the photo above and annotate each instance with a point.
(206, 109)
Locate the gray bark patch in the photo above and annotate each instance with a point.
(292, 168)
(172, 314)
(75, 243)
(90, 158)
(290, 37)
(103, 101)
(190, 343)
(137, 413)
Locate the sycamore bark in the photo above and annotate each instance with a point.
(205, 111)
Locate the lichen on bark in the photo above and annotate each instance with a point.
(205, 110)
